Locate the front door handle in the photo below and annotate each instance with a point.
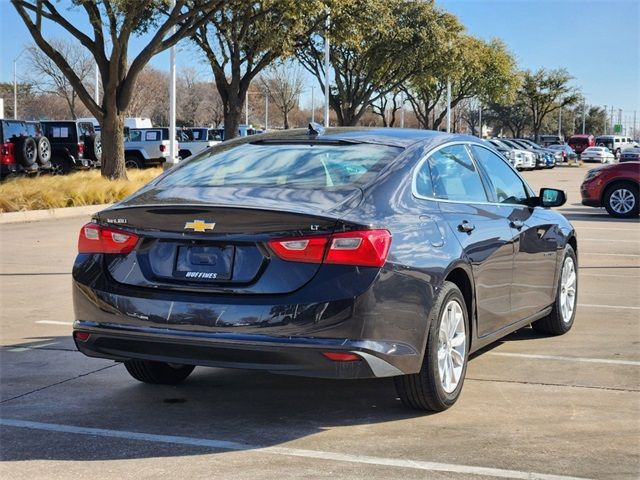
(466, 227)
(518, 224)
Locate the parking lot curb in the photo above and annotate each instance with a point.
(53, 213)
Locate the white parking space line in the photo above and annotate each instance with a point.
(609, 240)
(565, 359)
(615, 307)
(294, 452)
(583, 254)
(580, 227)
(609, 275)
(53, 322)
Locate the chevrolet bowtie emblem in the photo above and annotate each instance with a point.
(199, 226)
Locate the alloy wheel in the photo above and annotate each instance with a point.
(568, 289)
(452, 344)
(622, 201)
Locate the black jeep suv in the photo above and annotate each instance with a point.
(74, 145)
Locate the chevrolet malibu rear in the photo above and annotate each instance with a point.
(301, 253)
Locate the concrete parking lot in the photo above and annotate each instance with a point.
(532, 406)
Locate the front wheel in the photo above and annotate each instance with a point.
(563, 312)
(621, 200)
(438, 384)
(158, 372)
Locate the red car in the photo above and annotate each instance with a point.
(615, 187)
(580, 143)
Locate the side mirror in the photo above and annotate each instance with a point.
(552, 197)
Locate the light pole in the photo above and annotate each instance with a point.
(326, 73)
(313, 105)
(584, 116)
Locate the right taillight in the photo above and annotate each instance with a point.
(365, 248)
(96, 239)
(80, 149)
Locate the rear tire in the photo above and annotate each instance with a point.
(563, 313)
(621, 200)
(432, 389)
(60, 166)
(157, 372)
(133, 162)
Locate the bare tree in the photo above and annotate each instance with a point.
(387, 106)
(151, 95)
(283, 85)
(109, 27)
(46, 76)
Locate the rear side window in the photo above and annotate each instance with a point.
(152, 136)
(454, 176)
(296, 166)
(59, 132)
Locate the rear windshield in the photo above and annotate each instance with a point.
(303, 166)
(12, 130)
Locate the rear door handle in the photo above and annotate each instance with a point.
(466, 227)
(518, 224)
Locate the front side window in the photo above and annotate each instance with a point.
(454, 176)
(506, 184)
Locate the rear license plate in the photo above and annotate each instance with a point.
(204, 263)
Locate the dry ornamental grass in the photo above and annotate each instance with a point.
(77, 189)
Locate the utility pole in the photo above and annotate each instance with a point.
(634, 125)
(584, 116)
(620, 118)
(605, 120)
(326, 74)
(480, 118)
(313, 105)
(401, 109)
(448, 105)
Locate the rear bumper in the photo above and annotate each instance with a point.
(290, 356)
(384, 323)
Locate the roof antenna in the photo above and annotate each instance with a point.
(315, 129)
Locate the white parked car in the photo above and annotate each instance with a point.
(597, 154)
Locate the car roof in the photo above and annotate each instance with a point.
(396, 137)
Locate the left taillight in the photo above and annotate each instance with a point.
(94, 238)
(365, 248)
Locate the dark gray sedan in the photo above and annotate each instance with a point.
(346, 253)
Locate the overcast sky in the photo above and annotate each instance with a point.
(597, 41)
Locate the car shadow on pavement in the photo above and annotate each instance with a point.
(256, 409)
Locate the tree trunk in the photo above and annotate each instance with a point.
(232, 115)
(113, 146)
(286, 121)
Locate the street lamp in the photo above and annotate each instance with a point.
(266, 108)
(15, 85)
